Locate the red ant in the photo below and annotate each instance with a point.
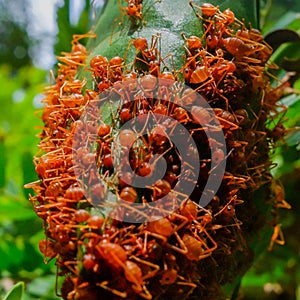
(195, 247)
(227, 120)
(277, 237)
(278, 191)
(147, 59)
(116, 257)
(133, 11)
(214, 19)
(78, 55)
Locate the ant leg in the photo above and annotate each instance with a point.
(152, 273)
(105, 286)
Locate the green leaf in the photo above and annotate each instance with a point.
(84, 20)
(66, 30)
(285, 21)
(42, 287)
(13, 210)
(168, 18)
(16, 293)
(290, 100)
(294, 139)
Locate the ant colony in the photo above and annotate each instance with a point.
(82, 171)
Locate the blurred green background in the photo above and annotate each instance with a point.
(32, 33)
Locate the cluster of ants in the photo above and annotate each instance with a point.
(97, 254)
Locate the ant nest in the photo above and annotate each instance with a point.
(192, 251)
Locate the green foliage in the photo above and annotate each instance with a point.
(20, 230)
(17, 121)
(287, 57)
(278, 14)
(16, 293)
